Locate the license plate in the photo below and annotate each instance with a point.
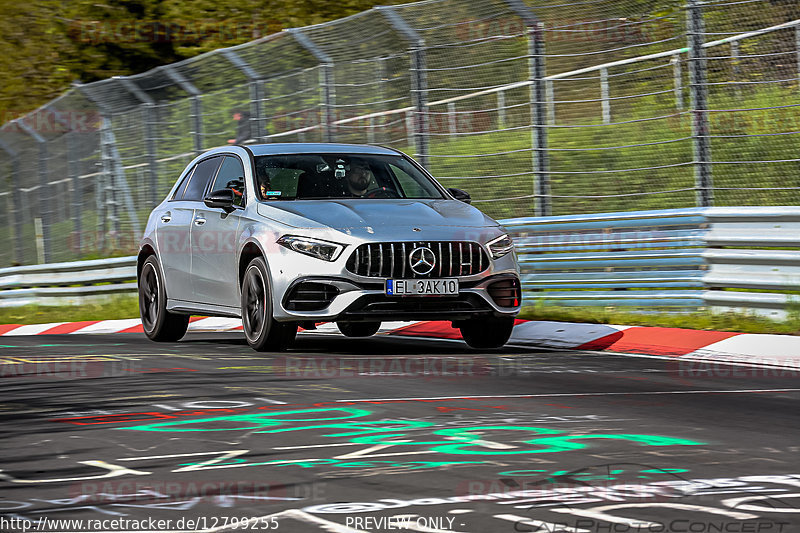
(421, 287)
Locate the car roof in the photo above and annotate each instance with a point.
(318, 148)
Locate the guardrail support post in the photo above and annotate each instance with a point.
(45, 201)
(197, 106)
(326, 83)
(698, 84)
(419, 80)
(16, 199)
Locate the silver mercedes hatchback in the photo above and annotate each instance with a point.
(288, 235)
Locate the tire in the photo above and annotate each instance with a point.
(358, 329)
(487, 333)
(263, 332)
(159, 324)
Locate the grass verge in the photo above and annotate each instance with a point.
(113, 308)
(739, 322)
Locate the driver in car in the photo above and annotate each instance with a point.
(358, 179)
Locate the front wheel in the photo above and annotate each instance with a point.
(263, 332)
(358, 329)
(159, 324)
(487, 333)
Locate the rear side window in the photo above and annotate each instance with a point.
(202, 174)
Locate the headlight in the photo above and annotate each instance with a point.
(327, 251)
(500, 246)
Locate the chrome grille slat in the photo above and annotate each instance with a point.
(450, 253)
(369, 260)
(391, 271)
(441, 261)
(380, 260)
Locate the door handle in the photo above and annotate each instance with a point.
(166, 217)
(199, 221)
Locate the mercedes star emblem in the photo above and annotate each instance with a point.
(422, 260)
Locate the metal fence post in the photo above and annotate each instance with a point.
(44, 204)
(149, 118)
(797, 44)
(698, 85)
(326, 82)
(197, 106)
(534, 30)
(16, 199)
(452, 119)
(604, 96)
(677, 80)
(256, 98)
(72, 172)
(501, 109)
(550, 96)
(419, 81)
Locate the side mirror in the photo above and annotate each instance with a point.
(222, 198)
(460, 195)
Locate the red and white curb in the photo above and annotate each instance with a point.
(686, 344)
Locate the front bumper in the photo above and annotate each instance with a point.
(358, 301)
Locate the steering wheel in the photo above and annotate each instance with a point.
(382, 192)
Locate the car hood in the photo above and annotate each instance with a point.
(350, 215)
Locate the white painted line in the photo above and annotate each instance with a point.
(109, 326)
(574, 394)
(32, 329)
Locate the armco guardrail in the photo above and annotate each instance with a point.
(640, 258)
(756, 249)
(680, 259)
(67, 283)
(737, 258)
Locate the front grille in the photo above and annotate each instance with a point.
(391, 259)
(308, 296)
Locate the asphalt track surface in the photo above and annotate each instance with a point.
(345, 435)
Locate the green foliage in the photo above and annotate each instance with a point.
(46, 44)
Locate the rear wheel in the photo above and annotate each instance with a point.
(487, 333)
(263, 332)
(159, 324)
(358, 329)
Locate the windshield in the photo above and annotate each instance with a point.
(336, 176)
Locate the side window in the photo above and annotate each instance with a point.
(411, 188)
(231, 176)
(179, 191)
(200, 178)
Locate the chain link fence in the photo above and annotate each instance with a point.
(544, 107)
